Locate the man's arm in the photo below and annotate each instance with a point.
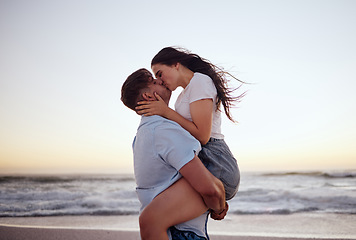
(207, 185)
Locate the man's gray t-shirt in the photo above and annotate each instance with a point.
(161, 148)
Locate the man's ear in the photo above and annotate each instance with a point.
(177, 65)
(148, 96)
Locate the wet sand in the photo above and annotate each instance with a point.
(239, 227)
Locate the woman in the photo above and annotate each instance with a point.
(197, 108)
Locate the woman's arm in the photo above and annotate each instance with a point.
(202, 116)
(201, 112)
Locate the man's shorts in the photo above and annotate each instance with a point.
(184, 235)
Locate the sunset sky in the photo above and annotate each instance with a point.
(62, 64)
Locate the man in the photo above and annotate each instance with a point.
(163, 154)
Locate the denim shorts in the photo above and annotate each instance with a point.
(218, 159)
(184, 235)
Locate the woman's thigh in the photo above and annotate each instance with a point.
(177, 204)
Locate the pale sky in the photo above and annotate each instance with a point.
(62, 64)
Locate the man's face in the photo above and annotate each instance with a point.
(156, 85)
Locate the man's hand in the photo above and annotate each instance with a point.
(221, 215)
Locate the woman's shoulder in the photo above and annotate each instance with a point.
(202, 81)
(201, 77)
(200, 86)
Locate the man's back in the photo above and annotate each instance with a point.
(161, 147)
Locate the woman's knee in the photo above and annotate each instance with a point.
(144, 221)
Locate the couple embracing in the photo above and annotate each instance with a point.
(183, 168)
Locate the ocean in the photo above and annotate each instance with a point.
(101, 195)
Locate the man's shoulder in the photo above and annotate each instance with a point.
(164, 128)
(157, 121)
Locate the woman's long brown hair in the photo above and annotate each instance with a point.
(170, 56)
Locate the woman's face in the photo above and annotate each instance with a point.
(168, 74)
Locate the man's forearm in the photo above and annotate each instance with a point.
(209, 187)
(215, 200)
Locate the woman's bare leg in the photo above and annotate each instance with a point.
(177, 204)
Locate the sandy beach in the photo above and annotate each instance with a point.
(242, 227)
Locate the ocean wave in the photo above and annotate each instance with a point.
(281, 211)
(65, 179)
(348, 174)
(286, 193)
(67, 195)
(42, 213)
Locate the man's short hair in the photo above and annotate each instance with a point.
(132, 88)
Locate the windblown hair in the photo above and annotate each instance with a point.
(170, 56)
(133, 86)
